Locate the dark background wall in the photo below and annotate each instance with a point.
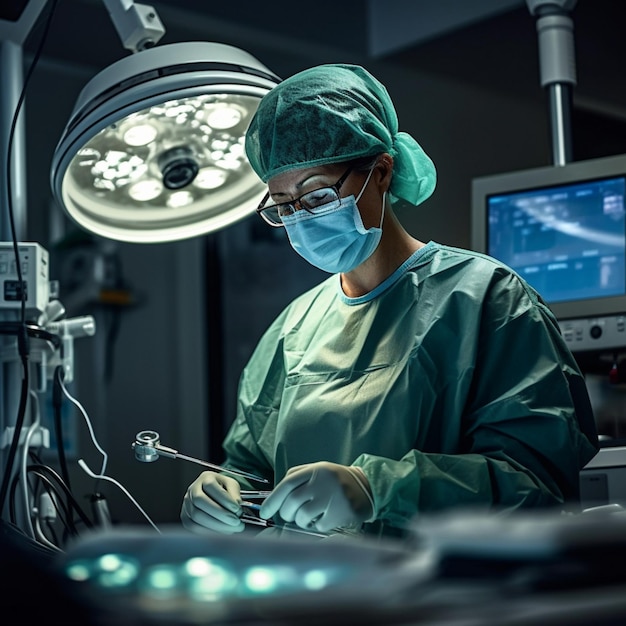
(465, 81)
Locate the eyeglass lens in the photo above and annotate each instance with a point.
(309, 202)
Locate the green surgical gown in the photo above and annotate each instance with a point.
(449, 385)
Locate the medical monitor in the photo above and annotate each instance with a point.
(563, 229)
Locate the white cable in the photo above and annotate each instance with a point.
(24, 463)
(105, 457)
(85, 468)
(74, 401)
(41, 537)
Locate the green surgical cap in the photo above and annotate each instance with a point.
(334, 113)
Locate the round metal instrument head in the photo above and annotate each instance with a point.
(144, 446)
(148, 438)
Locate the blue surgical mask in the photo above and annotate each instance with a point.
(334, 238)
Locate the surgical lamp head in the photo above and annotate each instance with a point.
(154, 149)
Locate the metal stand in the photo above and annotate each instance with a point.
(555, 30)
(12, 37)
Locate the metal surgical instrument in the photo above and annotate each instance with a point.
(257, 521)
(255, 494)
(148, 448)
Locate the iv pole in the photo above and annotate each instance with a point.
(555, 30)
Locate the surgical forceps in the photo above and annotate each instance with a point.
(257, 521)
(148, 448)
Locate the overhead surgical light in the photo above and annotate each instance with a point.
(154, 149)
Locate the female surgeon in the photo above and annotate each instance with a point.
(418, 376)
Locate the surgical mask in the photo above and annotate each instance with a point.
(334, 238)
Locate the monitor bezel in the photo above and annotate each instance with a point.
(544, 177)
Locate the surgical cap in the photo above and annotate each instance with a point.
(333, 113)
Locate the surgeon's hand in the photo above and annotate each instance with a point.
(321, 496)
(213, 501)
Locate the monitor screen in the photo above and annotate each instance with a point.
(567, 240)
(562, 228)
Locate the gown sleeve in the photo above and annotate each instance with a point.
(249, 440)
(527, 425)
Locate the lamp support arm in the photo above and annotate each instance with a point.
(555, 30)
(138, 25)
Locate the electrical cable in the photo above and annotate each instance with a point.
(39, 531)
(48, 477)
(57, 399)
(36, 423)
(16, 114)
(22, 337)
(33, 330)
(41, 537)
(85, 467)
(101, 475)
(71, 500)
(51, 530)
(44, 516)
(80, 407)
(64, 513)
(70, 504)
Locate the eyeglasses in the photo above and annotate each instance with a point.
(310, 201)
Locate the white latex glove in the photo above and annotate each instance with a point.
(213, 501)
(321, 496)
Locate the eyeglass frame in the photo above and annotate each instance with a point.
(296, 201)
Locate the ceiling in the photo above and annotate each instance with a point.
(502, 53)
(488, 43)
